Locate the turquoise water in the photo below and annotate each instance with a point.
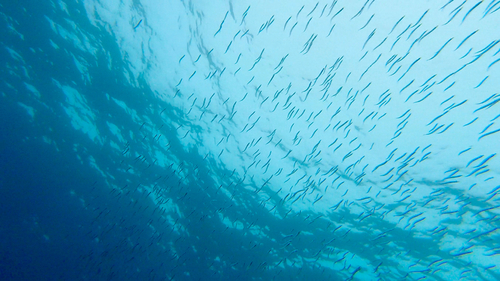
(249, 140)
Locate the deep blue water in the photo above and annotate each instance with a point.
(249, 140)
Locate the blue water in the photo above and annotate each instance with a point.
(249, 140)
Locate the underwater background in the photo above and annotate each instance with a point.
(249, 140)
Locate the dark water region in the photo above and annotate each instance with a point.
(221, 141)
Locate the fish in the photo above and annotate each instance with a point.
(137, 25)
(336, 140)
